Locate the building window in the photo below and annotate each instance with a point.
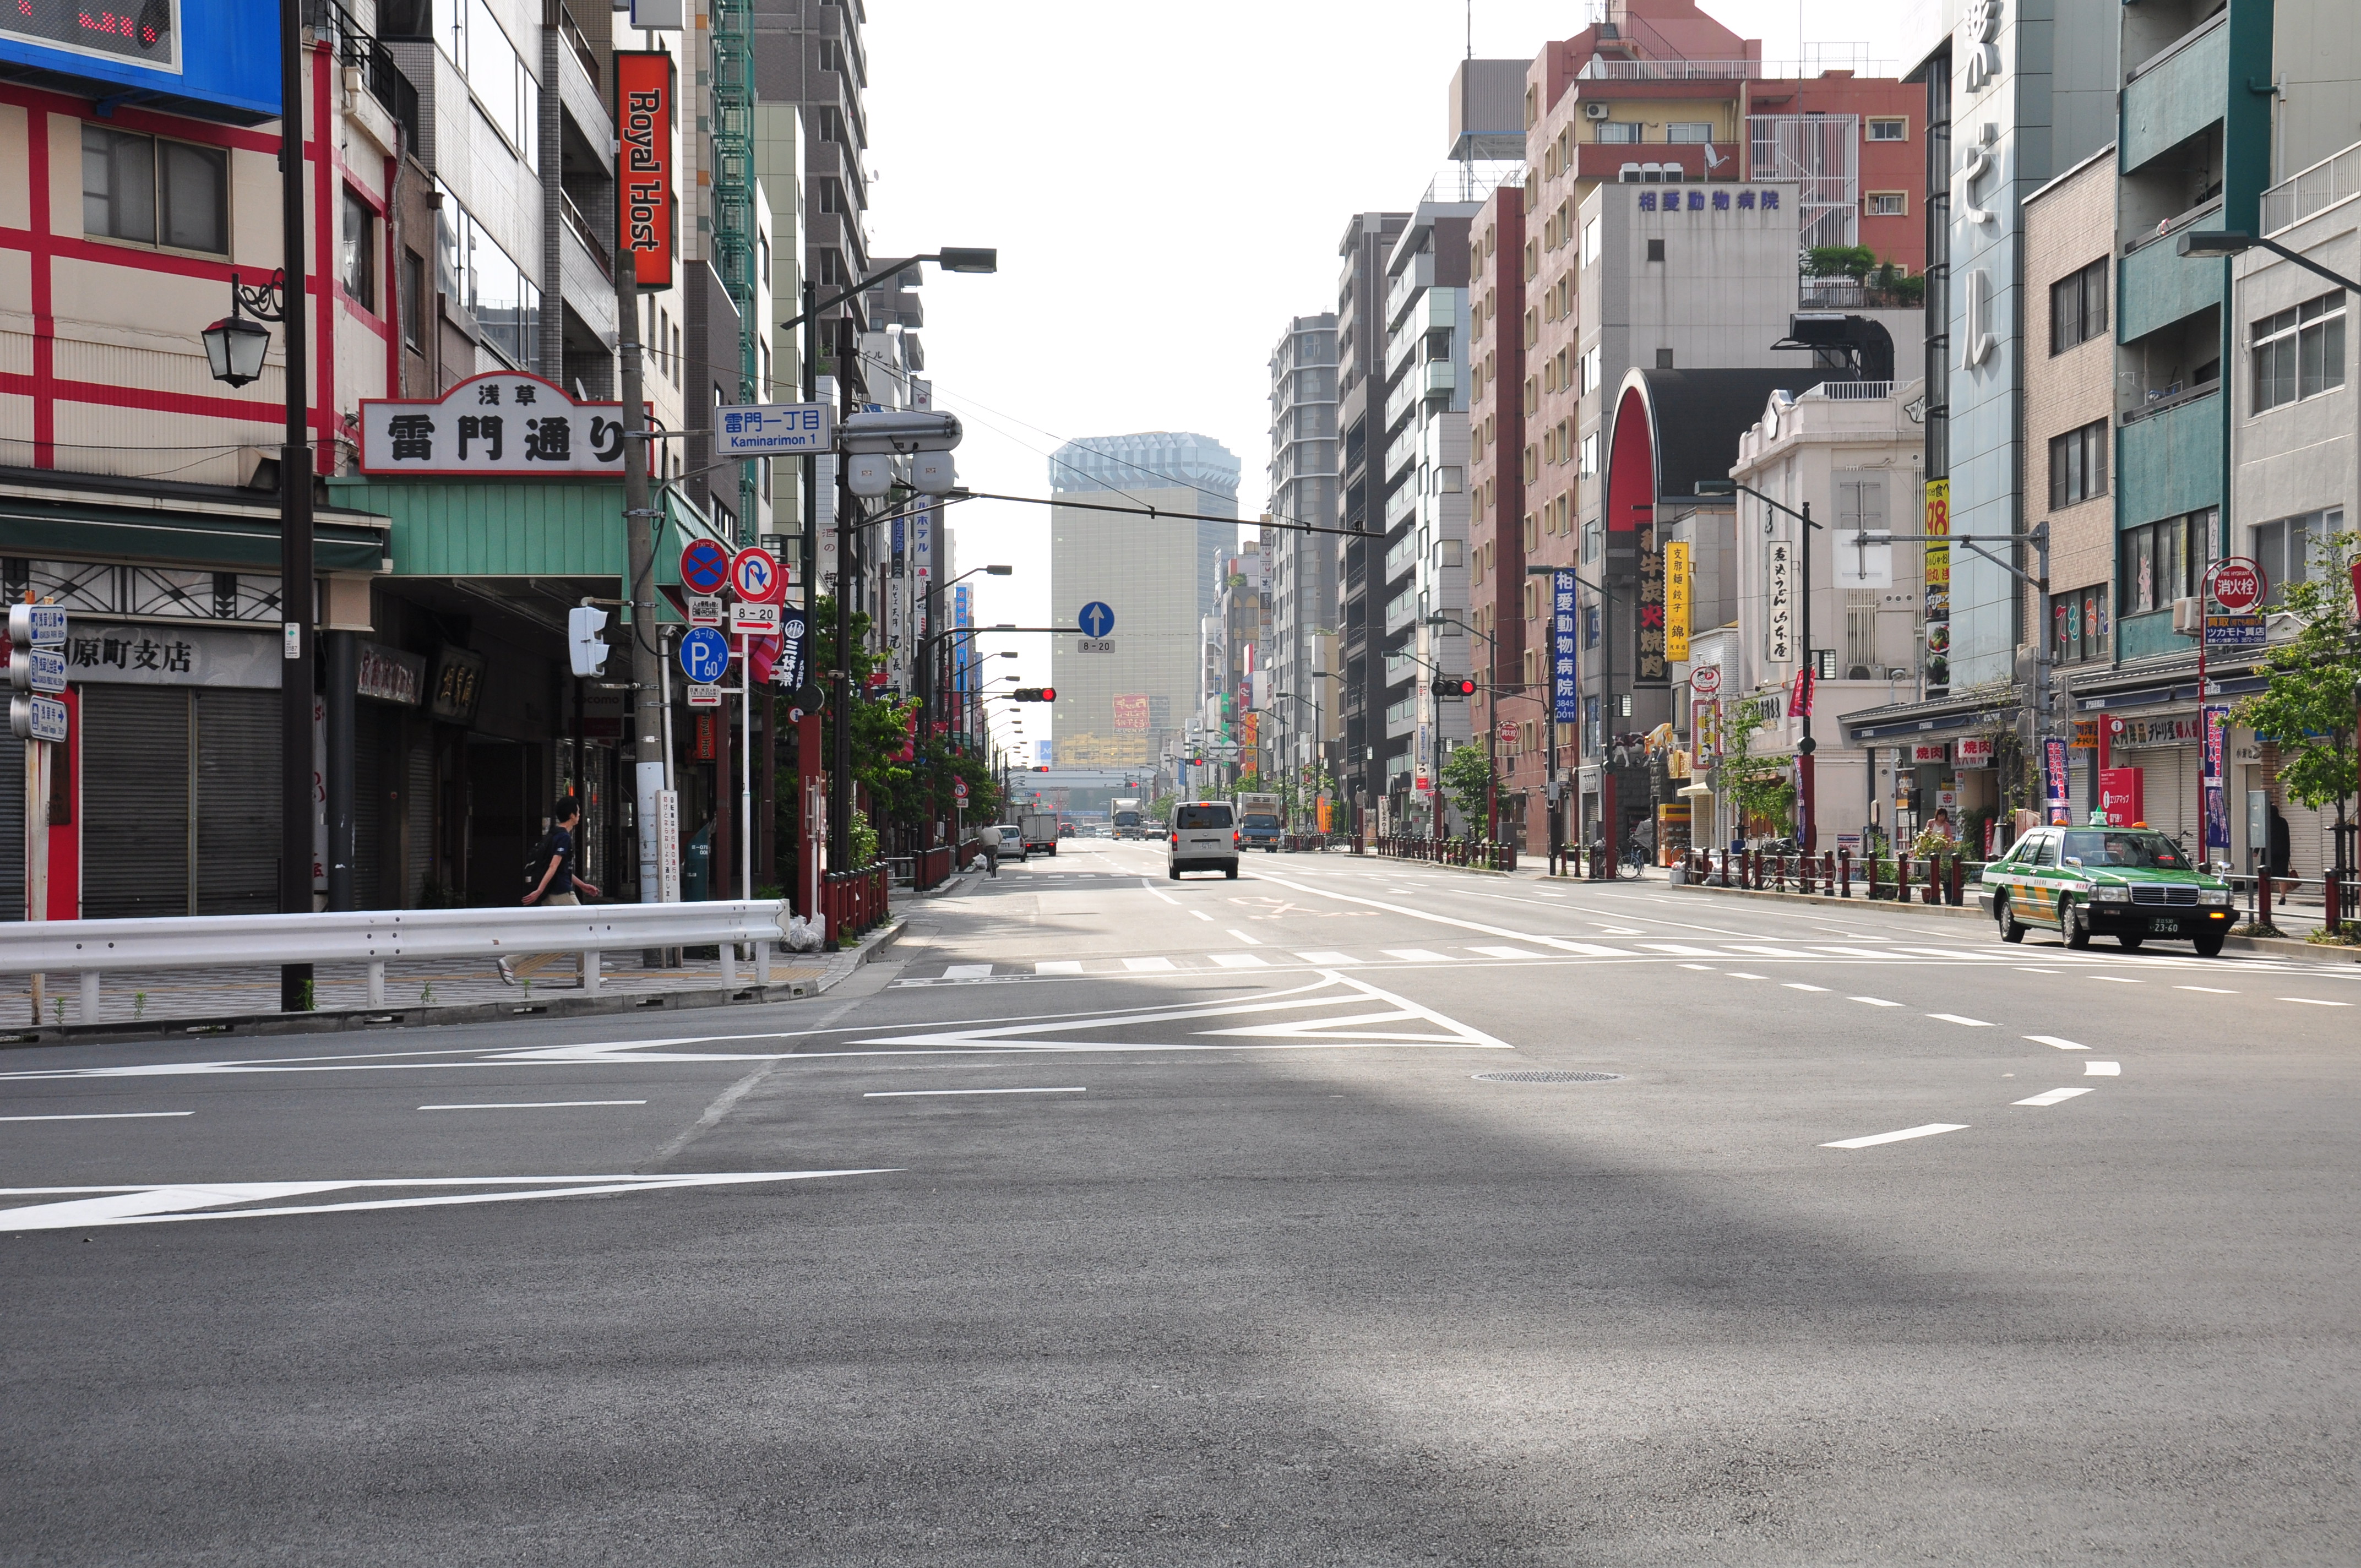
(2078, 464)
(1889, 203)
(356, 250)
(1688, 132)
(2160, 563)
(2079, 625)
(1619, 132)
(413, 299)
(1590, 242)
(2284, 550)
(503, 299)
(1663, 359)
(503, 88)
(2077, 307)
(153, 191)
(1589, 454)
(2299, 352)
(1884, 130)
(1655, 250)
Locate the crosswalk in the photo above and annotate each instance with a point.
(1543, 949)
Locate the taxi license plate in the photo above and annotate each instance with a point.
(2163, 926)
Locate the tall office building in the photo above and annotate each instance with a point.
(1368, 239)
(1157, 574)
(1299, 569)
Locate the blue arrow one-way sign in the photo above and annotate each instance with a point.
(1096, 620)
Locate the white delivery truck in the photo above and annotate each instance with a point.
(1040, 832)
(1123, 816)
(1259, 824)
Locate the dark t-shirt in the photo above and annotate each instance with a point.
(560, 843)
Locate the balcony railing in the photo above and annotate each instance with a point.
(2331, 180)
(1855, 294)
(1850, 391)
(357, 47)
(579, 41)
(580, 227)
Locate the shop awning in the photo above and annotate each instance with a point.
(1965, 710)
(81, 524)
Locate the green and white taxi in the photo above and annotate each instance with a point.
(2130, 883)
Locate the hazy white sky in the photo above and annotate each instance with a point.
(1166, 184)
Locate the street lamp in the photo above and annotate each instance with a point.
(235, 346)
(1808, 816)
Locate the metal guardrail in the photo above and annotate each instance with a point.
(91, 948)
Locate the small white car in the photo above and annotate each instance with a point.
(1204, 838)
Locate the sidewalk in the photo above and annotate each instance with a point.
(244, 1000)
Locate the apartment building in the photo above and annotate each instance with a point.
(1367, 754)
(1300, 569)
(1513, 702)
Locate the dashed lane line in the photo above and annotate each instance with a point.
(940, 1093)
(2054, 1041)
(2314, 1002)
(1873, 1001)
(101, 1116)
(1964, 1023)
(1248, 941)
(1928, 1131)
(2103, 1069)
(2054, 1097)
(1799, 985)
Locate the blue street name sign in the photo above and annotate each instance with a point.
(705, 657)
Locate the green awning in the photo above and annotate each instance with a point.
(169, 536)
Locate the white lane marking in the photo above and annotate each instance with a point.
(1328, 958)
(2022, 970)
(2310, 1002)
(1249, 941)
(530, 1105)
(2054, 1097)
(2118, 980)
(1799, 985)
(1873, 1001)
(1679, 951)
(2210, 990)
(1160, 892)
(2054, 1041)
(1559, 943)
(1955, 1018)
(1768, 952)
(1149, 966)
(1059, 966)
(1928, 1131)
(932, 1093)
(968, 972)
(1861, 952)
(1201, 914)
(155, 1205)
(101, 1116)
(1420, 955)
(1241, 961)
(1586, 949)
(1505, 952)
(1740, 974)
(1701, 969)
(1621, 931)
(2103, 1069)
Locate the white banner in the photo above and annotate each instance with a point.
(1779, 629)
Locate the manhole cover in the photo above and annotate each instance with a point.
(1538, 1076)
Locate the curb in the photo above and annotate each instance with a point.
(260, 1025)
(2265, 947)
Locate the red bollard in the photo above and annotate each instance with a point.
(1934, 878)
(1958, 876)
(1902, 876)
(1844, 873)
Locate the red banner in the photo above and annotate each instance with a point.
(645, 91)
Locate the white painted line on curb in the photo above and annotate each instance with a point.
(1059, 966)
(1955, 1018)
(2055, 1096)
(2054, 1041)
(968, 972)
(1928, 1131)
(931, 1093)
(2103, 1069)
(1874, 1001)
(531, 1104)
(1149, 966)
(101, 1116)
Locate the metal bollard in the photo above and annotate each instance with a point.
(590, 971)
(1957, 875)
(1934, 878)
(376, 982)
(729, 951)
(1844, 873)
(1901, 876)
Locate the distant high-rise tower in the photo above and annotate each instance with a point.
(1157, 576)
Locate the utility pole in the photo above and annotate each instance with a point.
(295, 564)
(640, 593)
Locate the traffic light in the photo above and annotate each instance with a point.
(587, 649)
(1461, 688)
(1033, 694)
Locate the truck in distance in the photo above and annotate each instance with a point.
(1123, 814)
(1040, 828)
(1259, 824)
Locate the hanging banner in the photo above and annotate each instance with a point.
(2217, 804)
(1705, 728)
(2053, 766)
(1566, 690)
(644, 89)
(1938, 586)
(1677, 602)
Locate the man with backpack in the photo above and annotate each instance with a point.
(551, 870)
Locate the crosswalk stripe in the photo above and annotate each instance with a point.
(1417, 955)
(1147, 966)
(1679, 951)
(1504, 952)
(1328, 958)
(1241, 961)
(968, 972)
(1059, 966)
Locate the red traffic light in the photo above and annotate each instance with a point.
(1463, 687)
(1033, 694)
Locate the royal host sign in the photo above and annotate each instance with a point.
(644, 89)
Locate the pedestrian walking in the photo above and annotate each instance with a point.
(555, 883)
(987, 840)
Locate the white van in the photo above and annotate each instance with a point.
(1204, 838)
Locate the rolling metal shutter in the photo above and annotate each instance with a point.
(238, 801)
(135, 800)
(12, 829)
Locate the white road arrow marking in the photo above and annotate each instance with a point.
(209, 1200)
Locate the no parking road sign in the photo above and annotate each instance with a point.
(704, 656)
(704, 567)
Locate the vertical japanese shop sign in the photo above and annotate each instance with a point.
(1566, 691)
(1653, 669)
(1677, 602)
(1779, 602)
(1938, 586)
(644, 187)
(2217, 805)
(2053, 768)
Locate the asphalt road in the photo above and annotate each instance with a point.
(1119, 1221)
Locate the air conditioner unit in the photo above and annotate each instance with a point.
(2188, 617)
(1596, 111)
(1628, 174)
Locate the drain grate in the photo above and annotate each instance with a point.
(1537, 1076)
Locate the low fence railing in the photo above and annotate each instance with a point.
(853, 902)
(1924, 878)
(1482, 854)
(91, 949)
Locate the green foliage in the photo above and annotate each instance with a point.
(1468, 780)
(2307, 708)
(1250, 783)
(1760, 788)
(1853, 262)
(864, 841)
